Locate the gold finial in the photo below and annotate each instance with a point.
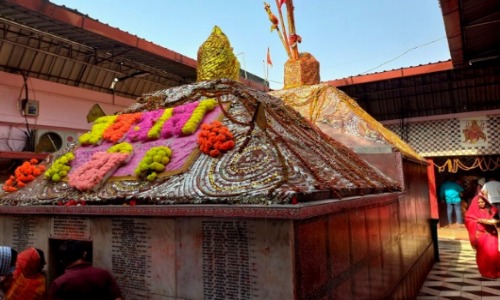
(216, 58)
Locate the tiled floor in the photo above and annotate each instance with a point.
(456, 276)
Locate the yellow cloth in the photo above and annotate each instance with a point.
(329, 107)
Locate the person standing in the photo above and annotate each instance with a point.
(8, 258)
(80, 279)
(491, 192)
(451, 193)
(483, 236)
(29, 281)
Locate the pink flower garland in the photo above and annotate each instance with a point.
(139, 132)
(173, 126)
(97, 170)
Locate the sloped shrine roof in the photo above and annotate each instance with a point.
(291, 160)
(340, 117)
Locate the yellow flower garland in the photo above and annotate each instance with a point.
(60, 168)
(153, 162)
(154, 132)
(124, 147)
(199, 112)
(94, 136)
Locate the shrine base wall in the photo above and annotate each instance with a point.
(370, 247)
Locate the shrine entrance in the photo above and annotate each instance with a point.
(467, 170)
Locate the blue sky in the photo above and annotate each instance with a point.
(348, 38)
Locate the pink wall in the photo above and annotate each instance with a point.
(61, 107)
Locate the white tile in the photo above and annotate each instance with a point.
(449, 294)
(471, 288)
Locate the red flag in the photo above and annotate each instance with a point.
(269, 62)
(281, 3)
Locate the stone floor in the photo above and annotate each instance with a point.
(456, 276)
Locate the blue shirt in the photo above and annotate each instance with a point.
(450, 191)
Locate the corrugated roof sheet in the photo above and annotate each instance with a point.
(43, 40)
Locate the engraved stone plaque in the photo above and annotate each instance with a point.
(228, 256)
(131, 256)
(69, 227)
(23, 232)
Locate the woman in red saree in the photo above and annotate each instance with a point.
(483, 236)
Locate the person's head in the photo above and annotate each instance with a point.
(70, 251)
(482, 203)
(481, 181)
(30, 262)
(8, 257)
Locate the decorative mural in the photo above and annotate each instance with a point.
(474, 132)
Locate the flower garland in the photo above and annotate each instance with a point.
(173, 126)
(155, 131)
(215, 138)
(23, 174)
(197, 115)
(140, 131)
(122, 124)
(90, 175)
(60, 167)
(124, 148)
(153, 162)
(94, 136)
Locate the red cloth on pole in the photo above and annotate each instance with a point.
(269, 57)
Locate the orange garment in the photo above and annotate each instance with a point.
(29, 282)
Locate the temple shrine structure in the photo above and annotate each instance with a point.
(218, 190)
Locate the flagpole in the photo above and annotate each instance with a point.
(266, 79)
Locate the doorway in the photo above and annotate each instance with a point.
(54, 264)
(467, 170)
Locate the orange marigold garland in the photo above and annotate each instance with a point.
(215, 139)
(23, 174)
(122, 124)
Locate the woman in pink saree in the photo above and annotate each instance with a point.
(483, 236)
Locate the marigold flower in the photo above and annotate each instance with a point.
(122, 124)
(155, 131)
(214, 139)
(94, 136)
(146, 122)
(181, 114)
(60, 167)
(153, 162)
(23, 174)
(197, 115)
